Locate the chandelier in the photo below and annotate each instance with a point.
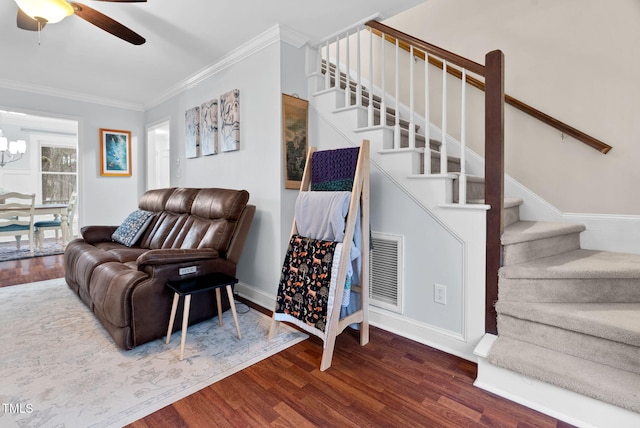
(11, 151)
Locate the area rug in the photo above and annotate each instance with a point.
(60, 368)
(10, 252)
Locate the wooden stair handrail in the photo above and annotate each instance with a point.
(405, 41)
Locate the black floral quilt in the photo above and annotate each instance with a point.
(307, 283)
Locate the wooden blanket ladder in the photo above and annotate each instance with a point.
(358, 206)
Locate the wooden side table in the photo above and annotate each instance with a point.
(198, 284)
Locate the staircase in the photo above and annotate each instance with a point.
(567, 317)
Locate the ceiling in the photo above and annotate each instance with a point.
(75, 58)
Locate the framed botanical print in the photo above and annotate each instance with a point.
(115, 153)
(294, 136)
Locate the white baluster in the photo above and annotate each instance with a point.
(327, 77)
(412, 124)
(462, 198)
(370, 108)
(347, 90)
(383, 76)
(359, 73)
(427, 119)
(443, 146)
(396, 130)
(336, 73)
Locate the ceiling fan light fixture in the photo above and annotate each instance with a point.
(51, 11)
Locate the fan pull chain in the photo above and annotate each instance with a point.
(39, 30)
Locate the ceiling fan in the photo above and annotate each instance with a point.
(33, 15)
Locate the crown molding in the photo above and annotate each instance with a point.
(293, 37)
(277, 33)
(76, 96)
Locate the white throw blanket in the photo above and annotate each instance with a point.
(322, 215)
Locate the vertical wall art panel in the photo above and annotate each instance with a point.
(192, 132)
(230, 121)
(294, 135)
(209, 127)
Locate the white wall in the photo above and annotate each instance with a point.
(294, 82)
(571, 59)
(256, 166)
(103, 200)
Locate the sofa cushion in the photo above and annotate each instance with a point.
(155, 199)
(181, 200)
(214, 203)
(163, 230)
(132, 227)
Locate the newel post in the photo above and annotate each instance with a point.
(494, 179)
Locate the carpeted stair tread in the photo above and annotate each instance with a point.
(569, 290)
(579, 263)
(619, 322)
(524, 231)
(618, 387)
(600, 350)
(509, 202)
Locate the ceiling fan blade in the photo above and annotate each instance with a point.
(25, 22)
(109, 25)
(125, 1)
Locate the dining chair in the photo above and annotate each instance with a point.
(56, 223)
(16, 217)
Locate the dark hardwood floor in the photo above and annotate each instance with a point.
(31, 270)
(391, 382)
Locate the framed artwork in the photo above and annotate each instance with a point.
(230, 121)
(192, 132)
(209, 125)
(115, 153)
(294, 136)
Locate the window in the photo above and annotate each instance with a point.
(59, 173)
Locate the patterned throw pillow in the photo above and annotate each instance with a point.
(132, 228)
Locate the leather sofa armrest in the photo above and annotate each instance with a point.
(94, 234)
(170, 256)
(241, 233)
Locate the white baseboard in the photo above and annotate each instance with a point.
(440, 339)
(256, 296)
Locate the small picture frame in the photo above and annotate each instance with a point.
(115, 153)
(295, 113)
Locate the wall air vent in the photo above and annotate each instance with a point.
(385, 272)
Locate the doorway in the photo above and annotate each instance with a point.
(158, 156)
(49, 165)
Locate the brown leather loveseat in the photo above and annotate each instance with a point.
(192, 232)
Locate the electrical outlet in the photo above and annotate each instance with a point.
(440, 294)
